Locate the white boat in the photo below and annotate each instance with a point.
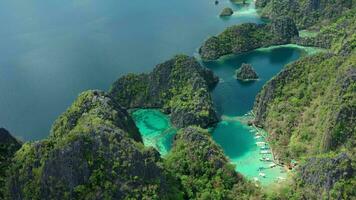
(265, 152)
(264, 148)
(255, 178)
(260, 143)
(257, 137)
(262, 174)
(281, 178)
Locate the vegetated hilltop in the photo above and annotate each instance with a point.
(305, 13)
(93, 152)
(203, 169)
(249, 36)
(179, 86)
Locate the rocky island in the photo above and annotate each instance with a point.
(246, 73)
(246, 37)
(226, 12)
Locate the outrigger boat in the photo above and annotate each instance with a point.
(264, 148)
(265, 152)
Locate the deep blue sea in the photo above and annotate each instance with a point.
(51, 50)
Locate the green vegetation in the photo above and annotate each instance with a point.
(246, 37)
(305, 13)
(309, 109)
(90, 155)
(302, 115)
(203, 169)
(8, 146)
(179, 86)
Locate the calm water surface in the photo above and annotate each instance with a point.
(233, 100)
(53, 50)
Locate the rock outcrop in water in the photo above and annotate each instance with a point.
(246, 73)
(246, 37)
(203, 169)
(93, 153)
(226, 12)
(180, 86)
(305, 13)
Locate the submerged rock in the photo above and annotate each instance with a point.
(179, 86)
(226, 12)
(246, 73)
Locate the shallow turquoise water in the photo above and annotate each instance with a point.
(239, 144)
(155, 128)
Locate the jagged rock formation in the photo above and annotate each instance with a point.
(326, 177)
(91, 154)
(309, 107)
(204, 170)
(246, 73)
(8, 146)
(338, 36)
(246, 37)
(226, 12)
(305, 13)
(180, 86)
(309, 111)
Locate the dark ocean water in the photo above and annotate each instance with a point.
(53, 50)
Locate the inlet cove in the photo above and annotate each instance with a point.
(246, 146)
(178, 100)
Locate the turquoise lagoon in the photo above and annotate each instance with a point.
(233, 100)
(155, 128)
